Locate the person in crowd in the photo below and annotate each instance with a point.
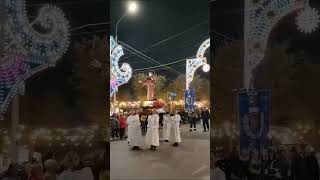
(193, 121)
(312, 164)
(134, 131)
(145, 122)
(11, 173)
(114, 126)
(51, 167)
(205, 116)
(298, 166)
(174, 135)
(152, 137)
(166, 127)
(234, 165)
(279, 166)
(254, 169)
(161, 120)
(74, 168)
(104, 168)
(125, 115)
(36, 172)
(122, 125)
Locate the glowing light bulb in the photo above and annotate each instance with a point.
(206, 68)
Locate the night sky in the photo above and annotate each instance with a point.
(227, 18)
(157, 20)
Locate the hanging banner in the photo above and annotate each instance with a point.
(254, 119)
(189, 100)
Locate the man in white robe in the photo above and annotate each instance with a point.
(152, 137)
(134, 131)
(174, 135)
(166, 127)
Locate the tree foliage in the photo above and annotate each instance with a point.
(200, 85)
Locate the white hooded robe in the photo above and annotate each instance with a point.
(152, 136)
(174, 135)
(134, 131)
(166, 127)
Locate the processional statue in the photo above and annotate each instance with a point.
(150, 83)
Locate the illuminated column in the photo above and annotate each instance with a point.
(191, 66)
(119, 75)
(261, 16)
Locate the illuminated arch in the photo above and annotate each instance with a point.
(194, 64)
(262, 16)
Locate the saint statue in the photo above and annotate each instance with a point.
(150, 82)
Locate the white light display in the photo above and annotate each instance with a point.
(119, 75)
(206, 68)
(194, 64)
(27, 50)
(261, 18)
(308, 20)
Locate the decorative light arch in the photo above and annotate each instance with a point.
(26, 49)
(261, 17)
(194, 64)
(119, 75)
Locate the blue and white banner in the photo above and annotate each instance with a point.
(254, 119)
(189, 100)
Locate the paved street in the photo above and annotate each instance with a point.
(188, 161)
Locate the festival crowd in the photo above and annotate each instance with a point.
(72, 167)
(297, 162)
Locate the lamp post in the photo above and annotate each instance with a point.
(132, 8)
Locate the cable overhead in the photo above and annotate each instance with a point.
(155, 61)
(171, 37)
(144, 58)
(88, 25)
(175, 62)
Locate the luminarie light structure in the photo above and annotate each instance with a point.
(261, 16)
(28, 48)
(194, 64)
(119, 75)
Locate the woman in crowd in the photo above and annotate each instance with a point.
(122, 124)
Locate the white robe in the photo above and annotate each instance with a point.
(152, 136)
(174, 135)
(166, 127)
(134, 131)
(83, 174)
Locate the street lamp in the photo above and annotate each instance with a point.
(132, 8)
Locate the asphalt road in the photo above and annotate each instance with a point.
(189, 161)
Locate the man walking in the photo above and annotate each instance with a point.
(205, 116)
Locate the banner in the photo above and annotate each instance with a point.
(189, 100)
(254, 119)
